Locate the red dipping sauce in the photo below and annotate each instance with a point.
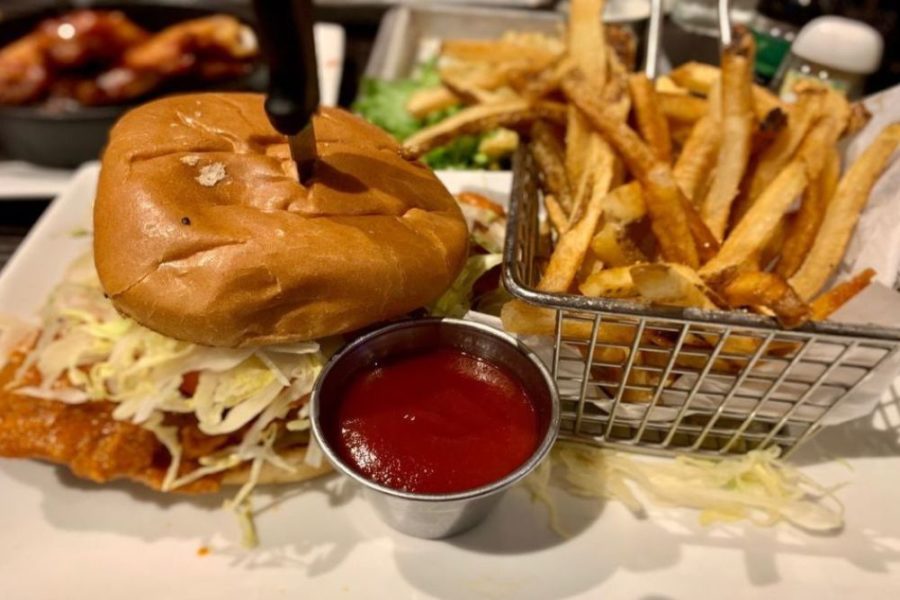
(438, 422)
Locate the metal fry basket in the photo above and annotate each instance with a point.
(681, 380)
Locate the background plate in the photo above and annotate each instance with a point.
(23, 181)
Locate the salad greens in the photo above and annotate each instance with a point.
(383, 103)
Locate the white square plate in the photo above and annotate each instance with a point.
(64, 538)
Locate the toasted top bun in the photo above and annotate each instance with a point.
(203, 233)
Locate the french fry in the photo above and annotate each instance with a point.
(578, 145)
(556, 214)
(474, 78)
(424, 102)
(698, 78)
(803, 230)
(622, 207)
(715, 100)
(859, 118)
(587, 154)
(668, 218)
(682, 108)
(821, 138)
(767, 130)
(476, 87)
(534, 87)
(737, 134)
(772, 248)
(757, 226)
(616, 99)
(827, 303)
(808, 141)
(590, 265)
(642, 378)
(480, 119)
(669, 210)
(597, 179)
(758, 288)
(535, 49)
(623, 44)
(499, 143)
(707, 244)
(801, 117)
(601, 161)
(539, 39)
(613, 247)
(843, 212)
(695, 77)
(586, 40)
(696, 163)
(572, 247)
(582, 191)
(650, 119)
(736, 344)
(610, 283)
(812, 148)
(680, 133)
(615, 91)
(544, 243)
(550, 156)
(665, 85)
(588, 52)
(672, 284)
(764, 102)
(831, 174)
(526, 319)
(666, 204)
(625, 204)
(613, 339)
(697, 158)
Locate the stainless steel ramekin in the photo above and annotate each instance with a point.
(437, 515)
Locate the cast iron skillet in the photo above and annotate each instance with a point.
(67, 139)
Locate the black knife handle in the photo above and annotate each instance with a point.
(286, 37)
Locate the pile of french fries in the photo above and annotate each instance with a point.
(700, 189)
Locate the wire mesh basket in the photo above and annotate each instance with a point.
(682, 380)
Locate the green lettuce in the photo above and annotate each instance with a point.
(457, 300)
(383, 103)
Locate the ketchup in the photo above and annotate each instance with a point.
(438, 422)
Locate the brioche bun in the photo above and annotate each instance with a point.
(203, 233)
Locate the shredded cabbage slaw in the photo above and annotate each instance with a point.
(487, 231)
(757, 487)
(86, 351)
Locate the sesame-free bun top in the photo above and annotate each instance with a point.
(203, 233)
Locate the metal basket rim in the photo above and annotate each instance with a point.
(610, 306)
